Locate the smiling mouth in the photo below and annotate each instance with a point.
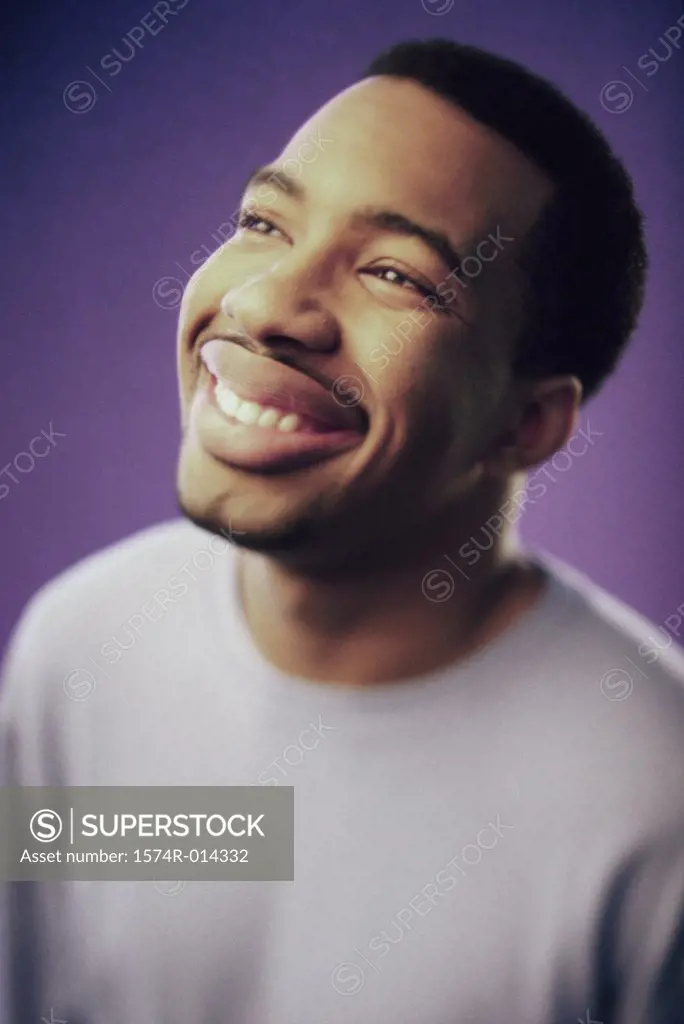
(256, 414)
(269, 417)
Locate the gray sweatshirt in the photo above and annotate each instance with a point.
(499, 842)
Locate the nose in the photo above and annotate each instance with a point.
(283, 307)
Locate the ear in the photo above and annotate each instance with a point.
(544, 415)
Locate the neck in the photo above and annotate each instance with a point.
(400, 622)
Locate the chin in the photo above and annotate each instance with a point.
(284, 538)
(312, 544)
(318, 529)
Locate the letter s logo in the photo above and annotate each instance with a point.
(45, 825)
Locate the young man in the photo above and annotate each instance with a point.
(424, 286)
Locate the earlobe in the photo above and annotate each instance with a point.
(549, 417)
(545, 416)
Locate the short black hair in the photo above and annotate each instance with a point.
(585, 259)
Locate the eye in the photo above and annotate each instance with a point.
(260, 225)
(394, 276)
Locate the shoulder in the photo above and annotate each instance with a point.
(127, 560)
(55, 650)
(103, 590)
(139, 558)
(612, 687)
(59, 646)
(611, 635)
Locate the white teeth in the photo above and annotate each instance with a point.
(269, 418)
(248, 412)
(232, 401)
(251, 413)
(228, 402)
(289, 423)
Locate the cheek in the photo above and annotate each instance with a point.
(423, 376)
(201, 302)
(395, 349)
(206, 287)
(501, 316)
(452, 389)
(198, 306)
(428, 362)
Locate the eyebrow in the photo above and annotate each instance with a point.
(369, 216)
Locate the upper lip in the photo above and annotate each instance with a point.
(270, 381)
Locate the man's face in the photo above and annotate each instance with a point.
(388, 380)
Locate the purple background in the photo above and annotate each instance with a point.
(99, 205)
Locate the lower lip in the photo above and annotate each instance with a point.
(261, 449)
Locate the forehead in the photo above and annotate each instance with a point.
(392, 142)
